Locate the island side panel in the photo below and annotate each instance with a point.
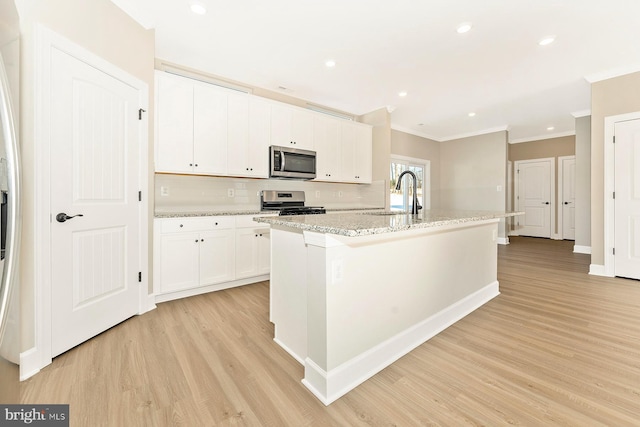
(373, 299)
(288, 290)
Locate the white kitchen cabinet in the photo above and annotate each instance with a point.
(291, 126)
(193, 252)
(326, 140)
(174, 123)
(193, 255)
(210, 129)
(356, 152)
(248, 150)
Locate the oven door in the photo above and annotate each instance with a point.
(288, 162)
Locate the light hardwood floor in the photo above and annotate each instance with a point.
(557, 347)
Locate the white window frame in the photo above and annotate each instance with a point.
(426, 178)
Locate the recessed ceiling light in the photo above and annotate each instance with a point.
(330, 63)
(197, 7)
(463, 28)
(403, 93)
(547, 40)
(471, 114)
(550, 128)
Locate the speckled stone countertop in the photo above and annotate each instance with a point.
(364, 224)
(223, 212)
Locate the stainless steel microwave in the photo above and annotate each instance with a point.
(287, 162)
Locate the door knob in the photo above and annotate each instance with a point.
(62, 217)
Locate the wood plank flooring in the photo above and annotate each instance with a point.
(557, 347)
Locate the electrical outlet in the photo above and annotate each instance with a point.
(317, 194)
(337, 270)
(231, 192)
(164, 191)
(340, 194)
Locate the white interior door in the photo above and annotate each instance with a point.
(627, 199)
(95, 257)
(534, 197)
(568, 196)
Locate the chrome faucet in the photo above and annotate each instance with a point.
(415, 206)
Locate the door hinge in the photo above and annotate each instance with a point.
(140, 276)
(140, 111)
(614, 194)
(614, 251)
(614, 139)
(139, 196)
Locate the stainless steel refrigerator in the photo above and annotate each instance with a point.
(10, 203)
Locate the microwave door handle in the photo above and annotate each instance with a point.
(282, 158)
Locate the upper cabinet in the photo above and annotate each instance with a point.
(344, 150)
(206, 129)
(291, 126)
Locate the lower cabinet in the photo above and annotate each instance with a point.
(193, 255)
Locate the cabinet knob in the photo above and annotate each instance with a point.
(190, 164)
(202, 240)
(181, 225)
(216, 223)
(196, 165)
(196, 240)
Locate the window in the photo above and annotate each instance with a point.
(401, 200)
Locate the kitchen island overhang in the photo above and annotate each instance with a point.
(352, 293)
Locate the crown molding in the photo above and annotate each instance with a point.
(614, 72)
(541, 137)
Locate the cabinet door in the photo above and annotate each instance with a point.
(363, 154)
(174, 138)
(259, 137)
(217, 256)
(302, 129)
(178, 262)
(291, 127)
(347, 152)
(209, 129)
(247, 252)
(326, 131)
(264, 251)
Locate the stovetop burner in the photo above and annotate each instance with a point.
(287, 203)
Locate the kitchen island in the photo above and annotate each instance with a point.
(352, 293)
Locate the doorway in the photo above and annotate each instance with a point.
(535, 196)
(92, 143)
(401, 200)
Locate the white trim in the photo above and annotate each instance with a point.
(581, 113)
(577, 249)
(552, 196)
(609, 187)
(502, 240)
(170, 296)
(30, 363)
(598, 270)
(330, 386)
(414, 132)
(542, 137)
(609, 74)
(46, 40)
(561, 160)
(478, 133)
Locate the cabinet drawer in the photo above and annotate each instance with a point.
(177, 225)
(246, 221)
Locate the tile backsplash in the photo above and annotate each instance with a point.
(189, 193)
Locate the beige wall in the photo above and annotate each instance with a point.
(610, 97)
(471, 170)
(102, 28)
(408, 145)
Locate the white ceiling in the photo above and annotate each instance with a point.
(383, 47)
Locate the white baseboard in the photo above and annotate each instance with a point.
(330, 386)
(556, 237)
(30, 363)
(147, 304)
(582, 249)
(288, 350)
(209, 288)
(597, 270)
(503, 240)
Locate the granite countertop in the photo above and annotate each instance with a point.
(364, 224)
(225, 212)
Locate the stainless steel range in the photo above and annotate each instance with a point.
(287, 203)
